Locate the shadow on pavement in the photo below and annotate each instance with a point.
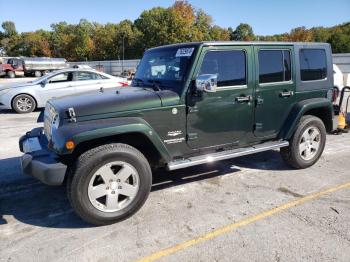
(31, 202)
(12, 112)
(269, 160)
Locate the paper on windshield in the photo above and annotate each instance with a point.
(184, 52)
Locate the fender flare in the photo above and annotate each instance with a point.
(303, 107)
(95, 129)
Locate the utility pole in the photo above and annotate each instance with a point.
(123, 55)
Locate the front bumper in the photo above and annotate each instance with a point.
(38, 161)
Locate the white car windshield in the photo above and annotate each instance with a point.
(40, 79)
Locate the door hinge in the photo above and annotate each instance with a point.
(192, 136)
(259, 101)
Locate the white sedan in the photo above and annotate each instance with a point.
(25, 97)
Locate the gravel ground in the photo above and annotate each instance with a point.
(37, 223)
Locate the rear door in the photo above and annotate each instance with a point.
(275, 88)
(87, 81)
(225, 117)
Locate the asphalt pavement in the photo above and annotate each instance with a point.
(253, 208)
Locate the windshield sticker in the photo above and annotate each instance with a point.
(184, 52)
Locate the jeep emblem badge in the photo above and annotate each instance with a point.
(174, 111)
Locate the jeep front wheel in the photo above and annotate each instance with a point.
(109, 183)
(307, 143)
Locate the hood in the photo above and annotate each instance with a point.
(114, 100)
(16, 85)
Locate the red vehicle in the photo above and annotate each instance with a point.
(12, 68)
(30, 66)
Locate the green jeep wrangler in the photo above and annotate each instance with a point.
(189, 104)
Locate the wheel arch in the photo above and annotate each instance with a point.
(133, 131)
(135, 139)
(319, 107)
(35, 100)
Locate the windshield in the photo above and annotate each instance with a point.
(40, 79)
(164, 68)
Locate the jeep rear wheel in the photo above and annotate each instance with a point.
(307, 144)
(109, 183)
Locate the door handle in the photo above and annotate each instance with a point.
(243, 99)
(286, 93)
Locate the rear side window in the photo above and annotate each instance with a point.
(313, 65)
(274, 66)
(82, 76)
(229, 66)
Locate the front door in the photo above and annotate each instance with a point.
(58, 85)
(275, 89)
(225, 117)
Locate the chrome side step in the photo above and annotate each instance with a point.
(198, 160)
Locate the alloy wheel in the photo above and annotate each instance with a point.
(113, 186)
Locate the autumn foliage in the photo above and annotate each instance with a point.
(158, 26)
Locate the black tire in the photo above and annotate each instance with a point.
(292, 155)
(83, 171)
(336, 93)
(37, 74)
(23, 110)
(11, 74)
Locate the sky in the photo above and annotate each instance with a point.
(267, 17)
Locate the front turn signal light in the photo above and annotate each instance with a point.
(70, 145)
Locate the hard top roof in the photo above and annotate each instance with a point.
(228, 43)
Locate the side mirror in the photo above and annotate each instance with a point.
(207, 83)
(44, 82)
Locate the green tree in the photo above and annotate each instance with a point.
(340, 38)
(243, 32)
(104, 45)
(153, 25)
(83, 44)
(300, 34)
(9, 28)
(35, 43)
(202, 26)
(9, 38)
(129, 36)
(320, 34)
(219, 34)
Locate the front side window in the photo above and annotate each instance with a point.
(229, 66)
(274, 66)
(63, 77)
(313, 64)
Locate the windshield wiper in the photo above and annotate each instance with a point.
(156, 84)
(138, 81)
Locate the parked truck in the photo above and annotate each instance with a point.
(31, 66)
